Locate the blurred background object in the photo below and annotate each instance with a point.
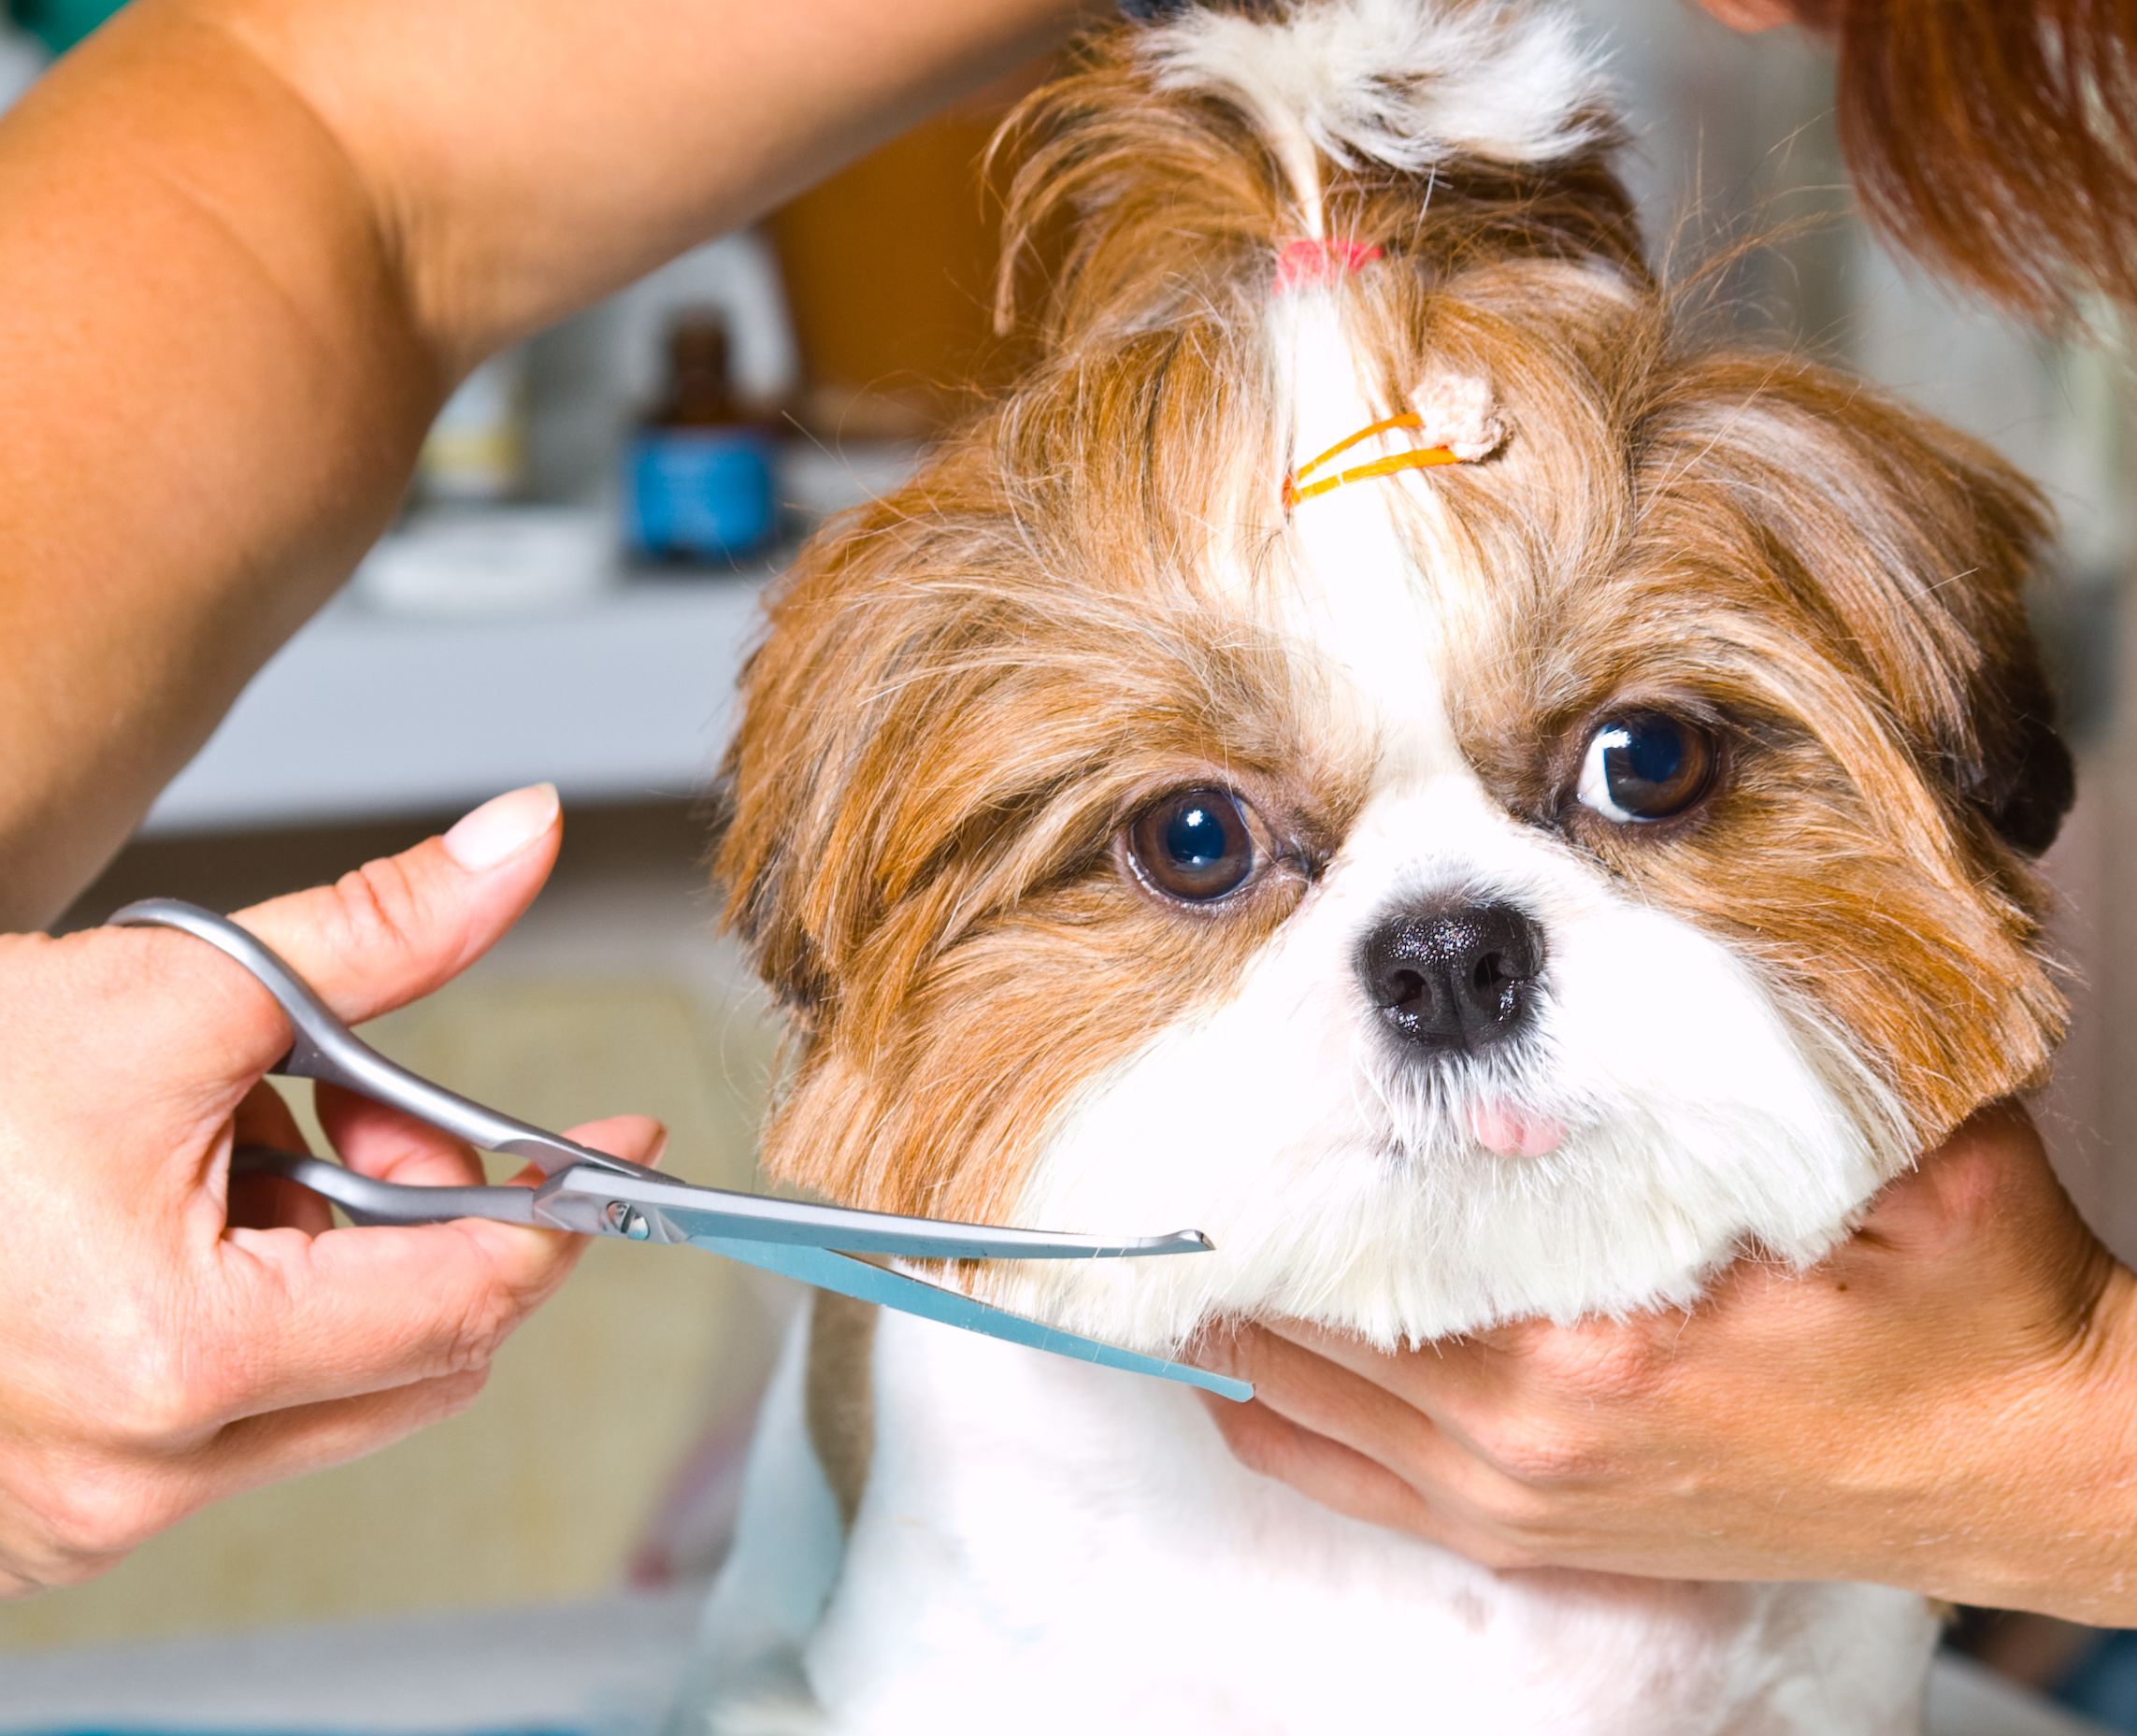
(698, 471)
(476, 453)
(890, 267)
(530, 617)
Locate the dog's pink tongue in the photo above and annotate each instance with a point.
(1513, 1132)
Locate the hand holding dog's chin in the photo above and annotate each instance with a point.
(1947, 1403)
(162, 1352)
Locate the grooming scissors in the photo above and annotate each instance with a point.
(596, 1194)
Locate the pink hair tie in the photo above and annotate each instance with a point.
(1321, 262)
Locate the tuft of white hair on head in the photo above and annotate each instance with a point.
(1410, 84)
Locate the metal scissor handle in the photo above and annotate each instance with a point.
(368, 1200)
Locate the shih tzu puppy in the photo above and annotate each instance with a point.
(1385, 747)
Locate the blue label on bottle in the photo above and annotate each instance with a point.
(698, 492)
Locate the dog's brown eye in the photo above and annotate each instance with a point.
(1194, 845)
(1645, 766)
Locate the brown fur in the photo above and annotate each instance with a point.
(970, 687)
(839, 1399)
(1997, 138)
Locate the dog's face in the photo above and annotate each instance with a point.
(1498, 889)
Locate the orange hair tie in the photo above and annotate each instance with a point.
(1297, 488)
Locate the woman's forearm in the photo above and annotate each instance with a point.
(245, 246)
(211, 396)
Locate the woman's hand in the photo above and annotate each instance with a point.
(1949, 1403)
(156, 1356)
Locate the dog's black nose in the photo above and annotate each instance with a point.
(1453, 976)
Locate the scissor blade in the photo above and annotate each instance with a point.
(595, 1200)
(828, 1271)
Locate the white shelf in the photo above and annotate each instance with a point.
(367, 715)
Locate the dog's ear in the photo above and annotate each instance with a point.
(2023, 778)
(2016, 772)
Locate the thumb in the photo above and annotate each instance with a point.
(398, 928)
(387, 934)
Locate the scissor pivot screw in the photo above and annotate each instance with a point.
(627, 1221)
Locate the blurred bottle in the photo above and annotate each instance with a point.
(698, 474)
(475, 453)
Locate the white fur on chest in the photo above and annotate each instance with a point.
(1046, 1547)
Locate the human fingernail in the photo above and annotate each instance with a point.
(502, 828)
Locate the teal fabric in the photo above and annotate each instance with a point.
(59, 24)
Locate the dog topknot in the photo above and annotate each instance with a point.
(1384, 81)
(1437, 134)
